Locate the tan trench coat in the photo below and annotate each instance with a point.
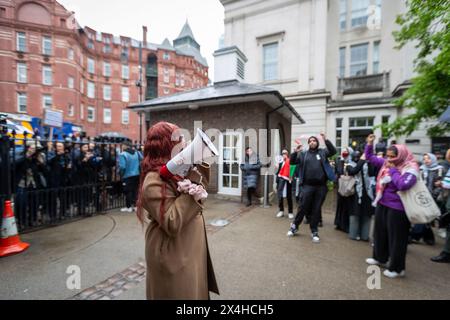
(176, 248)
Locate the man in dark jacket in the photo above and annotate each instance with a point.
(314, 173)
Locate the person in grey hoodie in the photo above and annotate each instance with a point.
(129, 166)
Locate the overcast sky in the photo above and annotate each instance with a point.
(164, 18)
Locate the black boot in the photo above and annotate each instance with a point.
(444, 257)
(249, 197)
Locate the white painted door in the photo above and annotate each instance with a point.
(230, 175)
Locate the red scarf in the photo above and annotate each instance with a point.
(285, 171)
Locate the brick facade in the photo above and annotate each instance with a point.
(68, 59)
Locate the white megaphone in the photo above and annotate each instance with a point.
(199, 149)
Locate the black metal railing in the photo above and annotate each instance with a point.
(50, 182)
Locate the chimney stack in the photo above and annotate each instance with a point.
(144, 28)
(229, 65)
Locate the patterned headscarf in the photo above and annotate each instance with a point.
(404, 162)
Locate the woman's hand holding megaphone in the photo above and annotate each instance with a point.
(195, 190)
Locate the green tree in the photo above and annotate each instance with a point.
(426, 23)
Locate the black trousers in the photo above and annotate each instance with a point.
(391, 237)
(310, 205)
(249, 195)
(280, 188)
(131, 186)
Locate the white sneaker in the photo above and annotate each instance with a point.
(292, 231)
(393, 274)
(291, 216)
(372, 262)
(124, 210)
(280, 214)
(442, 233)
(315, 238)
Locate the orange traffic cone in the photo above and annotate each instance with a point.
(9, 241)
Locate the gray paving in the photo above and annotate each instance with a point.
(252, 256)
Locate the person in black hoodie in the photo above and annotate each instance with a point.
(30, 176)
(59, 165)
(314, 173)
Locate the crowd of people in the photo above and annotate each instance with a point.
(54, 179)
(368, 206)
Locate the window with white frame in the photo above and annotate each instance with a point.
(166, 75)
(91, 66)
(378, 4)
(70, 110)
(71, 82)
(166, 91)
(270, 61)
(47, 101)
(166, 56)
(177, 78)
(342, 62)
(47, 75)
(358, 59)
(107, 48)
(106, 115)
(21, 102)
(107, 69)
(125, 72)
(125, 94)
(91, 90)
(22, 72)
(359, 12)
(107, 92)
(361, 122)
(70, 54)
(21, 43)
(81, 111)
(342, 14)
(125, 117)
(339, 134)
(376, 57)
(46, 45)
(90, 114)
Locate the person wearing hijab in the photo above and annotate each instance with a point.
(398, 172)
(432, 174)
(444, 256)
(345, 206)
(360, 217)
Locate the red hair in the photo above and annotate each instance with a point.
(157, 152)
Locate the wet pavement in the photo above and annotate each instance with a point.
(252, 257)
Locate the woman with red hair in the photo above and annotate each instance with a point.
(176, 248)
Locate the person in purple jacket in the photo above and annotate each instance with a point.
(398, 172)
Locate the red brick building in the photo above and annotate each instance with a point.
(48, 60)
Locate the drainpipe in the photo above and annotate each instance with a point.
(266, 175)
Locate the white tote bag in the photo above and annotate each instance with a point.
(419, 205)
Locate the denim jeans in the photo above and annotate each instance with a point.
(359, 227)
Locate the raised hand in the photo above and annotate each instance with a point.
(370, 139)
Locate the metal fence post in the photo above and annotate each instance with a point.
(266, 191)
